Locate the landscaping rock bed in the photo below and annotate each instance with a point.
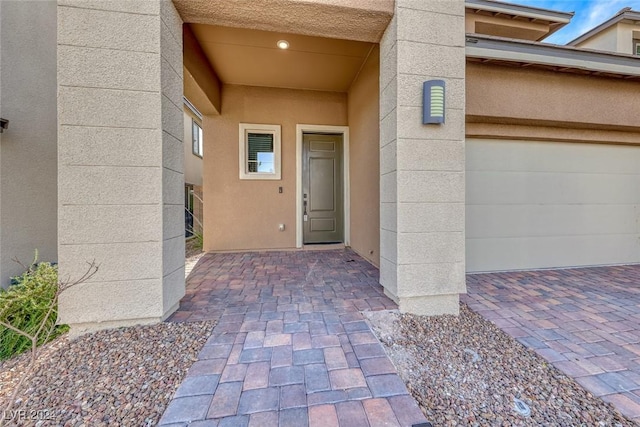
(465, 371)
(123, 377)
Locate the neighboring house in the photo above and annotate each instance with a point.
(193, 153)
(527, 158)
(620, 33)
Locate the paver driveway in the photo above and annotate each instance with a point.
(586, 321)
(291, 347)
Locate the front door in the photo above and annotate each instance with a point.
(322, 188)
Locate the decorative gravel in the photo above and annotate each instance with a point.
(123, 377)
(465, 371)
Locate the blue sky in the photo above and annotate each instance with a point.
(589, 13)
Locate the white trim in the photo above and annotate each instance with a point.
(344, 130)
(194, 124)
(192, 108)
(244, 128)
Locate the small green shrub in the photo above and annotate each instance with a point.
(25, 305)
(198, 237)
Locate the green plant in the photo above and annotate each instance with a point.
(197, 236)
(196, 232)
(29, 311)
(27, 307)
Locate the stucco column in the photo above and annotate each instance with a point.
(422, 166)
(120, 158)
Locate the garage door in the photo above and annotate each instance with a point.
(545, 204)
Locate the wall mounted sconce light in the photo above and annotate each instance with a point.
(283, 44)
(4, 124)
(433, 102)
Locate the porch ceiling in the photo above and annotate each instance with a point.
(251, 57)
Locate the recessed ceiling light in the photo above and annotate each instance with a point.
(283, 44)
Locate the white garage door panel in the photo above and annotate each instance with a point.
(487, 221)
(548, 252)
(494, 155)
(545, 204)
(507, 188)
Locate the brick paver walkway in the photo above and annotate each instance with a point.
(291, 347)
(586, 321)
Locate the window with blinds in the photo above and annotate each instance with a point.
(260, 156)
(259, 151)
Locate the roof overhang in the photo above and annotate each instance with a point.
(520, 10)
(558, 58)
(625, 15)
(554, 19)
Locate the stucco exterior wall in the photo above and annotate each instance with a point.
(28, 167)
(617, 38)
(530, 97)
(192, 163)
(626, 34)
(120, 156)
(2, 283)
(245, 214)
(422, 166)
(606, 41)
(201, 83)
(364, 155)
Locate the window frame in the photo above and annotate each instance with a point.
(197, 144)
(636, 47)
(244, 130)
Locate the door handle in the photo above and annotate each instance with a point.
(305, 217)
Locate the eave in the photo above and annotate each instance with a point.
(521, 53)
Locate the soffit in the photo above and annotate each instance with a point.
(250, 57)
(536, 23)
(363, 20)
(509, 31)
(512, 10)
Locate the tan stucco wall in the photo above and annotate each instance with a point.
(364, 159)
(617, 38)
(192, 163)
(245, 214)
(2, 282)
(201, 83)
(120, 174)
(28, 166)
(606, 40)
(532, 98)
(626, 34)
